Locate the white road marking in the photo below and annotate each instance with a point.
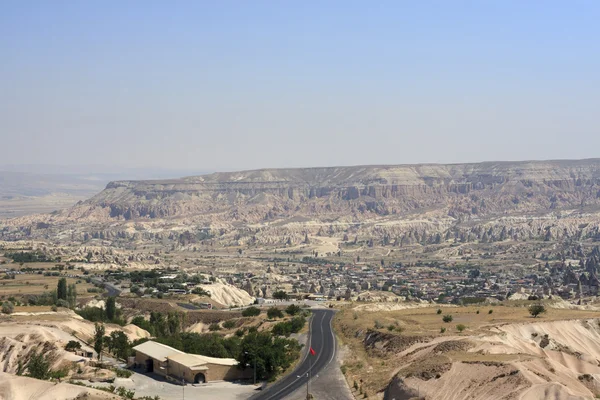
(305, 355)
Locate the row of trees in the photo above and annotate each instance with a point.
(161, 325)
(272, 312)
(108, 313)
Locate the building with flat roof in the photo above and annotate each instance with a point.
(176, 365)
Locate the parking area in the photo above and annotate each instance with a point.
(154, 385)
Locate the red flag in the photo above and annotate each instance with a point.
(313, 352)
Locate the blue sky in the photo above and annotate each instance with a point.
(228, 85)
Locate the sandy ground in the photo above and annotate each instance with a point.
(393, 306)
(14, 387)
(153, 385)
(198, 327)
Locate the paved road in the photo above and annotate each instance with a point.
(322, 340)
(112, 290)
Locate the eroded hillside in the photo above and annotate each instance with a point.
(500, 355)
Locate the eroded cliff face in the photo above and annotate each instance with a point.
(404, 203)
(463, 189)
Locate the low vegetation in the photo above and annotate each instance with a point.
(536, 309)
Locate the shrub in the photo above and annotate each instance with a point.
(8, 307)
(439, 311)
(293, 309)
(72, 345)
(240, 332)
(62, 303)
(391, 327)
(274, 312)
(214, 327)
(460, 327)
(123, 373)
(477, 312)
(447, 318)
(59, 373)
(251, 312)
(536, 309)
(442, 330)
(229, 324)
(280, 295)
(491, 311)
(200, 292)
(378, 325)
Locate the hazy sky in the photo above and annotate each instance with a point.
(248, 84)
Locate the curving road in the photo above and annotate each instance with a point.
(322, 340)
(112, 290)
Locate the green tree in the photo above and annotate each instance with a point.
(111, 308)
(293, 309)
(174, 323)
(536, 309)
(99, 339)
(38, 366)
(158, 321)
(72, 345)
(119, 344)
(61, 289)
(447, 318)
(251, 312)
(274, 312)
(72, 295)
(144, 324)
(280, 295)
(271, 355)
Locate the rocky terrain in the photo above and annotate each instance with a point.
(394, 205)
(494, 358)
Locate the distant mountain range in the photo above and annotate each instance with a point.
(26, 189)
(396, 203)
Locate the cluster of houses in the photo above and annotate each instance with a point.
(569, 279)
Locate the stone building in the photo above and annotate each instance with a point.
(192, 368)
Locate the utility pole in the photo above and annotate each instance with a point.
(254, 370)
(307, 380)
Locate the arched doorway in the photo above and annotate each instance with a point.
(199, 378)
